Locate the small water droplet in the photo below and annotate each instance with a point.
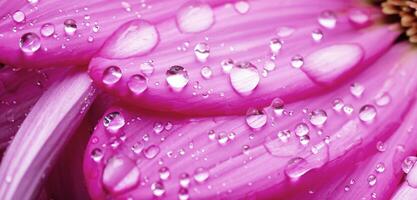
(158, 188)
(357, 89)
(47, 30)
(380, 146)
(380, 167)
(304, 140)
(164, 173)
(70, 26)
(137, 84)
(371, 180)
(277, 106)
(184, 180)
(212, 135)
(383, 100)
(301, 129)
(358, 17)
(30, 43)
(367, 113)
(242, 7)
(318, 117)
(177, 77)
(113, 122)
(112, 75)
(202, 51)
(151, 152)
(275, 45)
(269, 65)
(19, 16)
(97, 154)
(338, 105)
(244, 78)
(183, 194)
(158, 127)
(317, 35)
(408, 164)
(206, 72)
(222, 138)
(256, 118)
(284, 135)
(227, 65)
(195, 17)
(285, 31)
(147, 68)
(201, 175)
(297, 61)
(348, 109)
(137, 148)
(327, 19)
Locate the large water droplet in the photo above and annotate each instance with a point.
(408, 164)
(151, 152)
(201, 175)
(195, 17)
(202, 51)
(275, 45)
(113, 122)
(70, 26)
(367, 113)
(158, 188)
(256, 118)
(327, 19)
(318, 117)
(112, 75)
(120, 174)
(137, 84)
(47, 30)
(242, 7)
(301, 129)
(177, 77)
(30, 43)
(244, 78)
(296, 168)
(19, 16)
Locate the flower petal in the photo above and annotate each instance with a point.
(42, 134)
(183, 72)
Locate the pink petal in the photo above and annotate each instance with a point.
(47, 127)
(242, 38)
(131, 150)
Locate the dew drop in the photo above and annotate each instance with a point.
(327, 19)
(367, 113)
(301, 129)
(222, 138)
(338, 105)
(158, 188)
(284, 135)
(201, 175)
(348, 109)
(380, 146)
(151, 152)
(269, 65)
(147, 68)
(164, 173)
(357, 89)
(297, 61)
(244, 78)
(111, 75)
(318, 117)
(184, 180)
(227, 65)
(285, 31)
(408, 164)
(19, 16)
(113, 122)
(30, 43)
(380, 167)
(211, 135)
(372, 180)
(242, 7)
(120, 174)
(177, 77)
(195, 17)
(97, 154)
(383, 100)
(317, 35)
(183, 194)
(256, 118)
(137, 84)
(47, 30)
(296, 168)
(206, 72)
(358, 17)
(70, 26)
(202, 51)
(158, 127)
(275, 45)
(277, 106)
(137, 148)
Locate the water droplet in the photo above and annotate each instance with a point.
(317, 35)
(206, 72)
(284, 135)
(151, 152)
(269, 65)
(147, 68)
(301, 129)
(112, 75)
(338, 105)
(408, 164)
(256, 118)
(277, 106)
(383, 100)
(195, 17)
(30, 43)
(137, 148)
(348, 109)
(19, 16)
(296, 168)
(380, 167)
(222, 138)
(202, 51)
(358, 17)
(304, 140)
(297, 61)
(357, 89)
(70, 26)
(367, 113)
(158, 127)
(184, 180)
(244, 78)
(242, 7)
(275, 45)
(158, 188)
(183, 194)
(113, 122)
(164, 173)
(137, 84)
(327, 19)
(227, 65)
(285, 31)
(347, 188)
(177, 77)
(47, 30)
(120, 174)
(212, 135)
(318, 117)
(201, 175)
(371, 180)
(97, 154)
(380, 146)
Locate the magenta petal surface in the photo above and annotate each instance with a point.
(147, 155)
(47, 127)
(239, 60)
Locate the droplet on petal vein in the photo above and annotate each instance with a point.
(111, 75)
(30, 43)
(137, 84)
(256, 118)
(195, 17)
(367, 113)
(244, 78)
(177, 77)
(120, 174)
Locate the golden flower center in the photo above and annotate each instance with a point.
(406, 12)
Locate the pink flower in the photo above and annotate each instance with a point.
(213, 99)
